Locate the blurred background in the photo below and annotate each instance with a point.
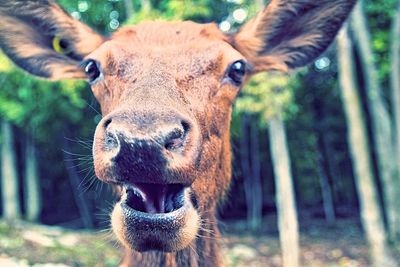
(323, 142)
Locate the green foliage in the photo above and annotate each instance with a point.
(268, 95)
(99, 14)
(380, 15)
(39, 105)
(170, 10)
(48, 108)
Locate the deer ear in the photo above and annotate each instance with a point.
(44, 40)
(289, 34)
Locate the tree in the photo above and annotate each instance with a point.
(9, 175)
(323, 163)
(326, 189)
(250, 163)
(256, 175)
(74, 180)
(395, 90)
(381, 121)
(271, 97)
(371, 216)
(31, 186)
(285, 200)
(128, 8)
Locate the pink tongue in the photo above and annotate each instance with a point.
(154, 196)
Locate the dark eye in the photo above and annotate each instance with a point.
(237, 71)
(92, 70)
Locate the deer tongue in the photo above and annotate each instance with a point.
(154, 197)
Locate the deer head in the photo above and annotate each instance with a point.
(166, 91)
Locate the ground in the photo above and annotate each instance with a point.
(23, 244)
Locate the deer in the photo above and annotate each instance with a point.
(166, 92)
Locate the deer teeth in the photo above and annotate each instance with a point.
(135, 191)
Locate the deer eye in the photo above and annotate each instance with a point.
(237, 71)
(92, 70)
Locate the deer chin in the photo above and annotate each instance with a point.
(142, 228)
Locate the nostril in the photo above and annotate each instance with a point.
(185, 126)
(174, 139)
(177, 133)
(111, 140)
(107, 123)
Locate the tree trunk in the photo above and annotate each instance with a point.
(32, 183)
(245, 163)
(256, 185)
(145, 5)
(9, 175)
(250, 190)
(395, 90)
(286, 208)
(357, 137)
(381, 121)
(323, 164)
(326, 191)
(128, 8)
(332, 166)
(74, 179)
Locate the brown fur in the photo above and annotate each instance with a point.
(27, 30)
(156, 72)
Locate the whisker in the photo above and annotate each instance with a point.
(80, 164)
(73, 154)
(194, 250)
(87, 169)
(98, 113)
(85, 158)
(86, 178)
(93, 181)
(83, 143)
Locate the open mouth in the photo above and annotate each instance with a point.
(155, 198)
(155, 217)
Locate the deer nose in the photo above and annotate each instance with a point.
(166, 137)
(141, 154)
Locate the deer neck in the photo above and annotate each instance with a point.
(203, 252)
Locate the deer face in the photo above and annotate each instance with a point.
(166, 92)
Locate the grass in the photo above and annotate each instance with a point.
(23, 244)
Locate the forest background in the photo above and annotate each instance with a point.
(323, 141)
